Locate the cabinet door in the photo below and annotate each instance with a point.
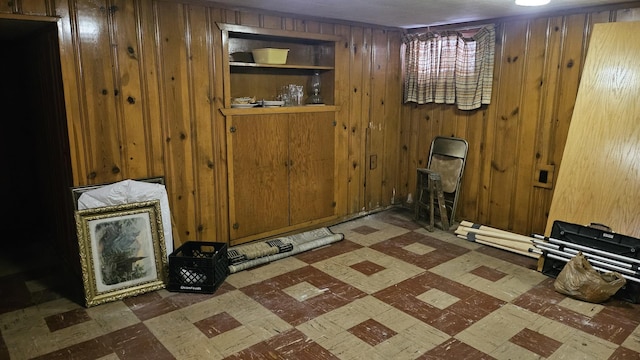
(258, 174)
(312, 158)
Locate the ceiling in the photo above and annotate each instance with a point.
(411, 13)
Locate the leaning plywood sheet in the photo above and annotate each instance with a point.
(599, 178)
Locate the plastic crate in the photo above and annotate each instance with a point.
(198, 267)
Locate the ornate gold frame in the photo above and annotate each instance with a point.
(122, 251)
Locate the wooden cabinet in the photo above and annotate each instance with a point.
(281, 172)
(281, 161)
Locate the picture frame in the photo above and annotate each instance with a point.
(122, 251)
(77, 191)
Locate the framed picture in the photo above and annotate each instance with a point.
(122, 251)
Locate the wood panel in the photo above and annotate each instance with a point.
(175, 74)
(312, 164)
(538, 68)
(258, 168)
(165, 56)
(358, 118)
(598, 179)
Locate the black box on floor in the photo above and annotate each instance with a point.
(198, 267)
(595, 238)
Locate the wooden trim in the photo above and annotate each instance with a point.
(279, 110)
(28, 17)
(277, 33)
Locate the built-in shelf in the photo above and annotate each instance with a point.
(308, 54)
(308, 67)
(279, 110)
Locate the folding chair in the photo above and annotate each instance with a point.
(441, 181)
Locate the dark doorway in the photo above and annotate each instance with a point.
(35, 152)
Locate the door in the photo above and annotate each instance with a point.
(258, 174)
(312, 159)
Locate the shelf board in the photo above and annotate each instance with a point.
(279, 110)
(285, 66)
(241, 30)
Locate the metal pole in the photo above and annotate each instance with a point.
(585, 248)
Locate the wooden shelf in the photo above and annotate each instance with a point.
(286, 66)
(280, 110)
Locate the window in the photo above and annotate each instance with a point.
(449, 68)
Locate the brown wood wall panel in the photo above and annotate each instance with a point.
(177, 77)
(35, 7)
(102, 130)
(163, 58)
(538, 68)
(129, 107)
(202, 80)
(358, 116)
(342, 134)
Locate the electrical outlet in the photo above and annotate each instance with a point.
(373, 162)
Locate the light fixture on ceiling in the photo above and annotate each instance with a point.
(532, 2)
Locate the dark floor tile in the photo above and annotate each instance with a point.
(476, 306)
(364, 230)
(611, 326)
(182, 300)
(338, 248)
(367, 267)
(372, 332)
(270, 294)
(539, 297)
(66, 319)
(217, 324)
(443, 251)
(536, 342)
(135, 342)
(488, 273)
(449, 322)
(517, 259)
(400, 218)
(150, 305)
(623, 353)
(291, 344)
(92, 349)
(454, 349)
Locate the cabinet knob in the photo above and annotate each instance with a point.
(232, 129)
(235, 226)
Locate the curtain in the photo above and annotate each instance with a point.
(449, 68)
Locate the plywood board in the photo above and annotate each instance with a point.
(599, 178)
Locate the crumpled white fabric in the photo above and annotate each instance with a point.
(130, 191)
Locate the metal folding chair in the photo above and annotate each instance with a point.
(441, 181)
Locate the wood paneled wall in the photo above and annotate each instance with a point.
(142, 89)
(524, 129)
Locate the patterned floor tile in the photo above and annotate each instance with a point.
(389, 290)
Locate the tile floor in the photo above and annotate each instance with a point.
(389, 290)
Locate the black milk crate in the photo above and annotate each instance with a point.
(198, 267)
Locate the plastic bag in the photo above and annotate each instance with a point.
(579, 280)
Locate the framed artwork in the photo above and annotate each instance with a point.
(122, 251)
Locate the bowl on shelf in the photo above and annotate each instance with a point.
(270, 56)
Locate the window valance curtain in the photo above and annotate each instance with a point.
(449, 68)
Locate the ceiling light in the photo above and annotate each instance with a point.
(532, 2)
